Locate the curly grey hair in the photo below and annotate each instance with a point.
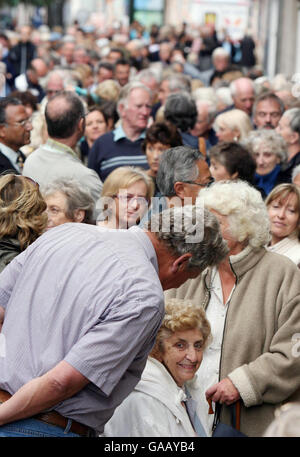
(76, 196)
(268, 138)
(247, 213)
(177, 164)
(190, 229)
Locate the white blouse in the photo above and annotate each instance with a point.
(289, 246)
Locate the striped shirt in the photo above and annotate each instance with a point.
(113, 150)
(90, 297)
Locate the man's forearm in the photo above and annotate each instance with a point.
(42, 393)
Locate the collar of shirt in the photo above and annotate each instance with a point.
(57, 146)
(119, 134)
(10, 154)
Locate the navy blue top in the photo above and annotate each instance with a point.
(113, 150)
(269, 181)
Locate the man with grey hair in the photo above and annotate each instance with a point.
(243, 94)
(102, 305)
(267, 111)
(221, 64)
(181, 174)
(150, 79)
(123, 146)
(56, 81)
(289, 128)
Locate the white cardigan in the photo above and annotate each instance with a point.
(289, 246)
(154, 408)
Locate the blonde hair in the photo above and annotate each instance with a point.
(22, 209)
(83, 71)
(181, 315)
(122, 178)
(235, 119)
(109, 90)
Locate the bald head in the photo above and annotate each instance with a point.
(63, 113)
(243, 94)
(39, 67)
(54, 84)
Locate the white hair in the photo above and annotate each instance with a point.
(268, 138)
(220, 52)
(235, 83)
(205, 93)
(243, 204)
(126, 91)
(223, 94)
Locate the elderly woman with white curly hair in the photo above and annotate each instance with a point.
(252, 302)
(269, 150)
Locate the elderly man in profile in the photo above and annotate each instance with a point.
(243, 94)
(182, 173)
(31, 79)
(91, 303)
(65, 119)
(123, 146)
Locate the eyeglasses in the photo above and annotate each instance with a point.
(129, 198)
(53, 92)
(20, 123)
(199, 183)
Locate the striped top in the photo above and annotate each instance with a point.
(113, 150)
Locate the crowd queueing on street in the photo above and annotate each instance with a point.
(149, 235)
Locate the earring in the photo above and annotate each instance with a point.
(235, 138)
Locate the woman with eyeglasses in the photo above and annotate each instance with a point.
(22, 215)
(125, 198)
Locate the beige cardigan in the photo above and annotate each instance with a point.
(259, 351)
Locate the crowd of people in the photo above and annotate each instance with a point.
(117, 149)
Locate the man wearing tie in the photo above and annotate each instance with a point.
(15, 127)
